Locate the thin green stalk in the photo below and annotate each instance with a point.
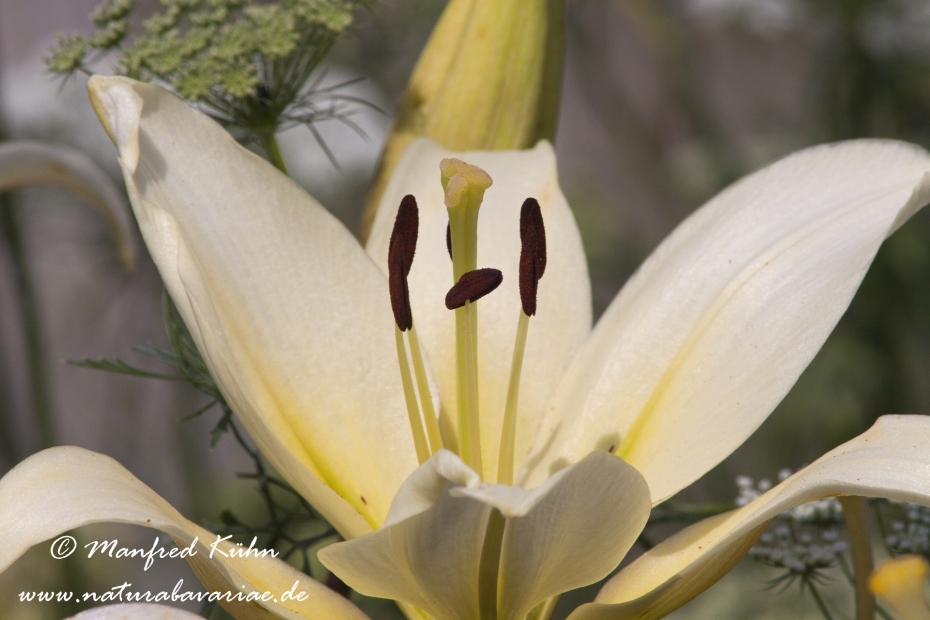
(413, 411)
(860, 545)
(467, 361)
(489, 567)
(39, 386)
(270, 144)
(822, 604)
(426, 399)
(509, 430)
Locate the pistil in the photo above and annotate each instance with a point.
(532, 267)
(464, 187)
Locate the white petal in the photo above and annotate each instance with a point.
(24, 163)
(429, 560)
(290, 314)
(135, 611)
(563, 318)
(63, 488)
(890, 460)
(570, 532)
(715, 327)
(427, 483)
(576, 534)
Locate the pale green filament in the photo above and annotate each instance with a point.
(464, 187)
(509, 431)
(466, 348)
(426, 400)
(489, 566)
(413, 412)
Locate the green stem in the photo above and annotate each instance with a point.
(854, 511)
(35, 363)
(270, 144)
(820, 602)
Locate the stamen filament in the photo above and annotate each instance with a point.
(489, 566)
(509, 430)
(426, 399)
(413, 411)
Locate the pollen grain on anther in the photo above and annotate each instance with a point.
(472, 286)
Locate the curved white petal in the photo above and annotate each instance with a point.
(715, 327)
(428, 551)
(60, 489)
(891, 460)
(579, 532)
(290, 314)
(569, 532)
(563, 318)
(135, 611)
(24, 163)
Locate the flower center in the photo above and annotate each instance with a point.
(464, 187)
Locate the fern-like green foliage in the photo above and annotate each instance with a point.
(185, 361)
(290, 524)
(248, 63)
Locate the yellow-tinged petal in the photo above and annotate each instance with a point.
(24, 163)
(900, 583)
(60, 489)
(569, 532)
(135, 611)
(889, 460)
(715, 327)
(563, 319)
(291, 316)
(488, 78)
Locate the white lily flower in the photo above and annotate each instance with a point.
(295, 321)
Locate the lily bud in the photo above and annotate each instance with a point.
(899, 583)
(488, 78)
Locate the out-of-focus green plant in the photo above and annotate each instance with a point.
(250, 65)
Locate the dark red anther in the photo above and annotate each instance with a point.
(404, 236)
(529, 273)
(531, 217)
(532, 254)
(400, 258)
(472, 286)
